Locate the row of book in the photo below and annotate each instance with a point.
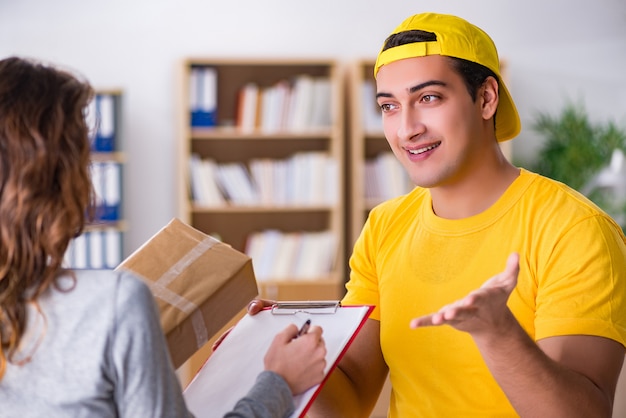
(304, 179)
(278, 255)
(106, 177)
(297, 105)
(371, 114)
(95, 249)
(100, 118)
(385, 178)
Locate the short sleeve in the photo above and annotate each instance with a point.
(582, 289)
(362, 288)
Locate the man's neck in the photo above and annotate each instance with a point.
(474, 194)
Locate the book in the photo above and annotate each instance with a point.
(321, 105)
(234, 178)
(196, 179)
(279, 255)
(283, 267)
(385, 178)
(262, 174)
(301, 102)
(204, 187)
(247, 108)
(371, 114)
(263, 259)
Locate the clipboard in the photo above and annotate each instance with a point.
(231, 371)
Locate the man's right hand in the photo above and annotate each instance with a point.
(257, 305)
(254, 307)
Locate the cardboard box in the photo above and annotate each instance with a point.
(199, 284)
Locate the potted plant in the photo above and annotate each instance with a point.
(584, 155)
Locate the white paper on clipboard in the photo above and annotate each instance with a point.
(232, 369)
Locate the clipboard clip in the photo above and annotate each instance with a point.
(310, 307)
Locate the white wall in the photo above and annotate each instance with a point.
(556, 50)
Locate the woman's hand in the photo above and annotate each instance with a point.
(300, 360)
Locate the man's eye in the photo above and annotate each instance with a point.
(428, 98)
(386, 107)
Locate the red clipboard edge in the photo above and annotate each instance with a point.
(340, 356)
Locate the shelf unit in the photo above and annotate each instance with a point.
(366, 143)
(226, 143)
(101, 244)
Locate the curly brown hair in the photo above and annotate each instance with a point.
(45, 186)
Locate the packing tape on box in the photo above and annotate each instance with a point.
(160, 290)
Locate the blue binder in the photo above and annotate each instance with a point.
(203, 97)
(105, 108)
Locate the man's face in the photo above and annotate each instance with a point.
(430, 121)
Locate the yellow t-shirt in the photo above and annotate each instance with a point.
(408, 262)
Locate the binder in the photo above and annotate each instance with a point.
(106, 177)
(203, 97)
(231, 371)
(104, 140)
(112, 193)
(113, 248)
(96, 249)
(80, 254)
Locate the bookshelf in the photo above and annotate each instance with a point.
(374, 174)
(100, 245)
(367, 146)
(261, 167)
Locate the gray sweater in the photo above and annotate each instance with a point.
(99, 351)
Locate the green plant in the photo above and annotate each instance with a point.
(575, 150)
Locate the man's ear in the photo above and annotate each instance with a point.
(489, 97)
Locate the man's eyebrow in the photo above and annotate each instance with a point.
(427, 84)
(418, 87)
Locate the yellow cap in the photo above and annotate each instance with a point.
(457, 38)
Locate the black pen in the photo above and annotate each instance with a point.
(304, 329)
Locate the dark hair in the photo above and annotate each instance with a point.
(473, 74)
(45, 186)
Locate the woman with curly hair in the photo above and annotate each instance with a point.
(88, 342)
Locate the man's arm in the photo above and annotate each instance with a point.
(568, 376)
(354, 386)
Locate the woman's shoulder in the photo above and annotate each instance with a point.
(103, 279)
(103, 286)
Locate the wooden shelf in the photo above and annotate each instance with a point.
(366, 142)
(116, 156)
(233, 134)
(260, 209)
(226, 143)
(101, 244)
